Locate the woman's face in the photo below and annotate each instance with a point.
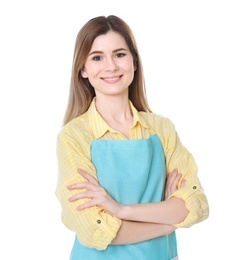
(109, 65)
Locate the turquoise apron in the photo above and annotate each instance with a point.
(132, 172)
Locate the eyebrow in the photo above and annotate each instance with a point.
(114, 51)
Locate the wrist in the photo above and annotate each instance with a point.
(124, 212)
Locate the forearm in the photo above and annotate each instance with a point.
(132, 232)
(170, 212)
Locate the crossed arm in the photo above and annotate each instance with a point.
(140, 222)
(134, 223)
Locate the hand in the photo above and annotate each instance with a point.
(97, 194)
(172, 182)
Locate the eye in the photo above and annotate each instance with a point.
(97, 58)
(120, 55)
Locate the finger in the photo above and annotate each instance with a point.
(87, 176)
(172, 182)
(174, 185)
(86, 205)
(82, 185)
(82, 195)
(171, 179)
(182, 184)
(173, 172)
(171, 176)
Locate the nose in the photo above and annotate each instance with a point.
(111, 64)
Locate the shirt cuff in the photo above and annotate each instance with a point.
(103, 229)
(192, 203)
(108, 227)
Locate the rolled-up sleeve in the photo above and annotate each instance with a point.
(93, 226)
(177, 156)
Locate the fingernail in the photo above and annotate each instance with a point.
(80, 171)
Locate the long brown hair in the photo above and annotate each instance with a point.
(81, 91)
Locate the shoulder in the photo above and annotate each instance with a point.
(163, 127)
(77, 129)
(158, 122)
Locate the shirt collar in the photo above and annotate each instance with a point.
(137, 118)
(98, 125)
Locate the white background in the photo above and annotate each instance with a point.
(194, 59)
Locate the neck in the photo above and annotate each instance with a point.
(114, 109)
(116, 112)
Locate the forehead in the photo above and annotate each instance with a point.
(109, 41)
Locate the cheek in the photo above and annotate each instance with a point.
(129, 65)
(93, 71)
(90, 72)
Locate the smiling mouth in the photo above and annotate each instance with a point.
(112, 79)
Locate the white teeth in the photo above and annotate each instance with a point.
(111, 79)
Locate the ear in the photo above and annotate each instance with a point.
(135, 65)
(84, 73)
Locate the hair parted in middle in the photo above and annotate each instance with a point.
(81, 91)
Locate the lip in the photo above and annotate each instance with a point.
(112, 79)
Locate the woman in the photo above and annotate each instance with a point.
(114, 153)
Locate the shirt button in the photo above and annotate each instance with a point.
(99, 221)
(194, 187)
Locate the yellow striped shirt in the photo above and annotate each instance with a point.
(94, 227)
